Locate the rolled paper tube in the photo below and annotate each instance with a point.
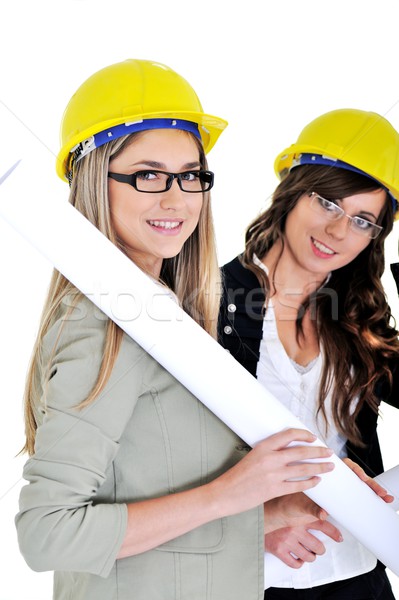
(146, 312)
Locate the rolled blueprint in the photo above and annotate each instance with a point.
(146, 312)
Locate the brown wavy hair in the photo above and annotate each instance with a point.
(353, 320)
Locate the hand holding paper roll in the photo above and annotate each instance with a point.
(294, 545)
(267, 471)
(301, 541)
(273, 469)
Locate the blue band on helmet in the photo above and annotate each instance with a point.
(318, 159)
(113, 133)
(125, 128)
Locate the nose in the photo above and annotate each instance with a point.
(339, 228)
(174, 198)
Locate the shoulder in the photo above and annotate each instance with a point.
(241, 314)
(79, 323)
(77, 332)
(235, 274)
(74, 345)
(242, 290)
(72, 360)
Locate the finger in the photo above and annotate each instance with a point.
(295, 484)
(379, 490)
(327, 528)
(372, 483)
(357, 469)
(388, 498)
(285, 545)
(322, 514)
(280, 440)
(308, 469)
(349, 462)
(302, 453)
(300, 542)
(307, 507)
(317, 512)
(299, 485)
(294, 545)
(303, 553)
(290, 561)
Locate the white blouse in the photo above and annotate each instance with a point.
(297, 388)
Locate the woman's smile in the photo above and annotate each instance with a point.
(165, 226)
(320, 249)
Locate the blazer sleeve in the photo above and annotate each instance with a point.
(59, 524)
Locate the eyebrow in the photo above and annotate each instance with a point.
(157, 165)
(361, 213)
(367, 213)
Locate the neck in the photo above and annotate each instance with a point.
(287, 278)
(151, 267)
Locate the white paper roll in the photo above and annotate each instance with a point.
(146, 312)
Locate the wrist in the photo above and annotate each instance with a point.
(273, 515)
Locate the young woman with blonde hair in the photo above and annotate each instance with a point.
(135, 489)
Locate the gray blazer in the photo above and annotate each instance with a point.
(144, 436)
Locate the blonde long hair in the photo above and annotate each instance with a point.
(193, 274)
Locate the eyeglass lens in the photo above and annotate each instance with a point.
(159, 181)
(333, 212)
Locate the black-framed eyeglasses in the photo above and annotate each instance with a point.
(331, 211)
(155, 182)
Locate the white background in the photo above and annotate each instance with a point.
(266, 67)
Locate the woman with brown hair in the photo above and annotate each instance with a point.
(305, 312)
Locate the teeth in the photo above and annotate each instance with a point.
(323, 248)
(165, 224)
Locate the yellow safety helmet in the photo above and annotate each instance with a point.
(133, 95)
(352, 139)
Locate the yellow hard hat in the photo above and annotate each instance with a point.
(348, 138)
(128, 96)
